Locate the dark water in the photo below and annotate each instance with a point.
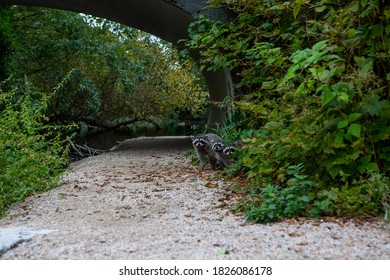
(103, 140)
(108, 139)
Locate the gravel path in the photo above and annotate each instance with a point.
(144, 201)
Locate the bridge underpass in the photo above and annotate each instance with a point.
(166, 19)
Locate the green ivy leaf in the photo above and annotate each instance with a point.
(353, 117)
(320, 45)
(300, 89)
(351, 32)
(297, 7)
(387, 14)
(387, 29)
(342, 124)
(372, 166)
(327, 96)
(355, 130)
(305, 199)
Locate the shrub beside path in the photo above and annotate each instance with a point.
(144, 200)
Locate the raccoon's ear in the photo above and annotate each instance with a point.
(192, 137)
(212, 141)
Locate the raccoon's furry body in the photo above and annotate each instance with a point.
(204, 150)
(218, 147)
(223, 160)
(212, 138)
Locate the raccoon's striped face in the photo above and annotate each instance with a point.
(218, 146)
(229, 150)
(199, 142)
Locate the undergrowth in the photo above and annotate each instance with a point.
(32, 153)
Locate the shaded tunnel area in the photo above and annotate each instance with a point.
(168, 20)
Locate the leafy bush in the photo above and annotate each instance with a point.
(32, 155)
(297, 199)
(313, 81)
(364, 197)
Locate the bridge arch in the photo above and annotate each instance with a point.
(166, 19)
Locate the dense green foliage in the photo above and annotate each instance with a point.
(32, 154)
(313, 91)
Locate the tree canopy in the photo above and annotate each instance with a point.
(105, 70)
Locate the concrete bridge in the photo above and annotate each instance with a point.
(167, 19)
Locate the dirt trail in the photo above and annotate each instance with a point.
(144, 201)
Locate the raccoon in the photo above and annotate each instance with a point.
(218, 146)
(204, 149)
(229, 150)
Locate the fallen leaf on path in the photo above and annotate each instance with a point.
(211, 185)
(294, 234)
(223, 251)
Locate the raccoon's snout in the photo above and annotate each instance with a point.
(218, 147)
